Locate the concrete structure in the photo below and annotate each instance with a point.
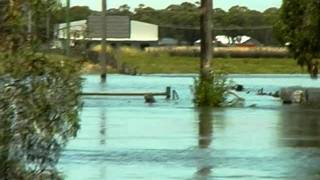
(300, 95)
(141, 34)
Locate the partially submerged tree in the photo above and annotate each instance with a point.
(211, 86)
(300, 29)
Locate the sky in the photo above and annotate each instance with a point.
(260, 5)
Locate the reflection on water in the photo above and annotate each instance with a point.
(205, 127)
(124, 138)
(205, 138)
(103, 127)
(300, 127)
(103, 138)
(299, 136)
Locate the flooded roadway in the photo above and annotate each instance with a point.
(124, 138)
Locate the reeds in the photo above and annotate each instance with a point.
(224, 52)
(130, 51)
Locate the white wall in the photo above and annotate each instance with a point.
(140, 31)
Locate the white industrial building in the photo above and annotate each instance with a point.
(141, 34)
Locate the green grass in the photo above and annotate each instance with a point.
(148, 63)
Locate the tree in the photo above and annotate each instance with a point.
(76, 13)
(123, 10)
(271, 16)
(41, 12)
(146, 14)
(237, 16)
(218, 17)
(39, 101)
(300, 26)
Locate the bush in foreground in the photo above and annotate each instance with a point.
(39, 104)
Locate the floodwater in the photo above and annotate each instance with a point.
(122, 138)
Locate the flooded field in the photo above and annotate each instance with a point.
(126, 139)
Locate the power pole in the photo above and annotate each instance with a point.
(206, 38)
(68, 28)
(103, 53)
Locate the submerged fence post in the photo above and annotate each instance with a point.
(168, 92)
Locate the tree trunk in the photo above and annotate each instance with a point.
(4, 4)
(103, 55)
(68, 28)
(29, 20)
(206, 38)
(48, 32)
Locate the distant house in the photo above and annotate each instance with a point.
(241, 41)
(140, 34)
(220, 40)
(246, 41)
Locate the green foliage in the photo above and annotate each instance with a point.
(39, 104)
(300, 27)
(76, 13)
(123, 10)
(39, 99)
(160, 60)
(42, 11)
(14, 21)
(210, 91)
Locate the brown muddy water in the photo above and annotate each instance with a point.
(126, 139)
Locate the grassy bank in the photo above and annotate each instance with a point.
(164, 63)
(151, 63)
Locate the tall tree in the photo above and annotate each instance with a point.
(300, 28)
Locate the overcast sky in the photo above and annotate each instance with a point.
(160, 4)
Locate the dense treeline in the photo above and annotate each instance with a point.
(182, 21)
